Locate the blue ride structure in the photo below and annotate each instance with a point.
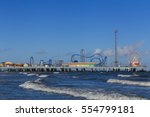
(101, 60)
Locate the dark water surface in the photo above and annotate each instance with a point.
(75, 86)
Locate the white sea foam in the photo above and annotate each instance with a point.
(38, 80)
(88, 94)
(24, 73)
(32, 74)
(126, 75)
(43, 76)
(56, 72)
(128, 82)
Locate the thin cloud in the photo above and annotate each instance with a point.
(97, 51)
(128, 50)
(108, 52)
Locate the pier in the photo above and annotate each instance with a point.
(72, 69)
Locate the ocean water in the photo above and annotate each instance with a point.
(75, 86)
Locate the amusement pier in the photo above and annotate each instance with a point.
(78, 63)
(71, 69)
(74, 66)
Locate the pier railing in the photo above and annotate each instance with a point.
(70, 69)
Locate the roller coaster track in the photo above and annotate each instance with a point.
(102, 60)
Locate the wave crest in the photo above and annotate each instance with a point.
(126, 75)
(88, 94)
(128, 82)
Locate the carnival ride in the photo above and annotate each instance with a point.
(97, 57)
(41, 63)
(31, 61)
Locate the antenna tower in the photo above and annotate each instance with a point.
(116, 51)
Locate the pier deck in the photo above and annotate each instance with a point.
(70, 69)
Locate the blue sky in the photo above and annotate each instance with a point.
(57, 28)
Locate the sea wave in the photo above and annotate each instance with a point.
(31, 74)
(128, 82)
(42, 75)
(126, 75)
(88, 94)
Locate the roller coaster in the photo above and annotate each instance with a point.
(98, 58)
(101, 60)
